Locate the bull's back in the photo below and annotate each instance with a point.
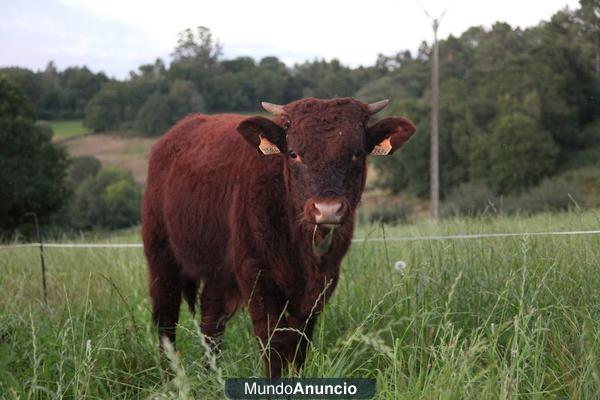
(197, 173)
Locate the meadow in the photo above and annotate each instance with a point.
(66, 129)
(515, 317)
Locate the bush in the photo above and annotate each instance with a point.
(552, 195)
(122, 199)
(109, 200)
(588, 179)
(388, 210)
(391, 214)
(83, 167)
(470, 199)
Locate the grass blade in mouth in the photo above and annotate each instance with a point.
(325, 245)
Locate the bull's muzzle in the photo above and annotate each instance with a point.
(327, 211)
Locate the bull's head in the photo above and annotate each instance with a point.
(325, 144)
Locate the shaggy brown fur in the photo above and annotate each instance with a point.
(220, 215)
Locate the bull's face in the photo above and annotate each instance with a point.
(325, 144)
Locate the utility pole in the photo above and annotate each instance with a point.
(435, 104)
(434, 165)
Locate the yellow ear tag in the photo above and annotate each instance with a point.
(383, 148)
(267, 147)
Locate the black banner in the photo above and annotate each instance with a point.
(296, 388)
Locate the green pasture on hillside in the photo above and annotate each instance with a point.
(491, 318)
(64, 129)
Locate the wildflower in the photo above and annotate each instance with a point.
(400, 265)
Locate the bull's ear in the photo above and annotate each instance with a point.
(263, 134)
(388, 135)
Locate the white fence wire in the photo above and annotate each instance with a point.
(355, 240)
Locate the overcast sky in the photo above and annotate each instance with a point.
(116, 36)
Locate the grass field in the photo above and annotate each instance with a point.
(482, 319)
(64, 129)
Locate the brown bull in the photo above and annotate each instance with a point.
(259, 212)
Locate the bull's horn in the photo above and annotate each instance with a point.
(374, 108)
(274, 109)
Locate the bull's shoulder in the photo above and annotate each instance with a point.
(185, 135)
(201, 143)
(199, 129)
(180, 135)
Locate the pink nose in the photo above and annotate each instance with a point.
(327, 211)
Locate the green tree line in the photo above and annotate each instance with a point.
(57, 94)
(516, 105)
(199, 80)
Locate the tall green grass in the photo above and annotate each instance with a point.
(483, 318)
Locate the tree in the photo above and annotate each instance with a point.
(409, 168)
(154, 117)
(517, 154)
(163, 109)
(151, 71)
(327, 79)
(196, 59)
(271, 81)
(589, 21)
(79, 86)
(30, 83)
(105, 109)
(33, 169)
(184, 99)
(199, 46)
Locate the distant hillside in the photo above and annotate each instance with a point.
(114, 150)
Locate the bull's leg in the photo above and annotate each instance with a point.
(165, 291)
(267, 310)
(217, 306)
(277, 341)
(304, 313)
(304, 329)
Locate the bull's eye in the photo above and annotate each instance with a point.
(357, 155)
(292, 154)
